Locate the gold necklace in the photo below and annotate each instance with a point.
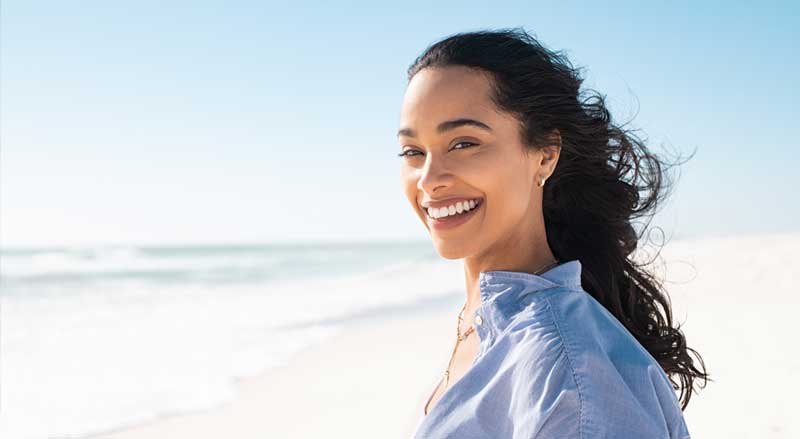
(460, 338)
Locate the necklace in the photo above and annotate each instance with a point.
(461, 337)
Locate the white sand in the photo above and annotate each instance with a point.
(738, 307)
(369, 382)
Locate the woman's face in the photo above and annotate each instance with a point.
(465, 161)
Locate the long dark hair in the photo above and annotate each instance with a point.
(604, 179)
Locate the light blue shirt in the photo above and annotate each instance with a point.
(553, 363)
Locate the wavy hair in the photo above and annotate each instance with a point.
(604, 179)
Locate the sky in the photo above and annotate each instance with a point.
(255, 122)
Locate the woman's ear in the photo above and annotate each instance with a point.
(550, 153)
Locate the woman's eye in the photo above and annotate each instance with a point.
(414, 152)
(464, 143)
(406, 153)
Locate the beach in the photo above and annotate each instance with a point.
(370, 381)
(734, 298)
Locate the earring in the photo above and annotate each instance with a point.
(542, 182)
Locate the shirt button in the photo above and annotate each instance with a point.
(478, 319)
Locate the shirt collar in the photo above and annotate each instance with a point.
(502, 289)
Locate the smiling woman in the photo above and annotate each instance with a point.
(573, 339)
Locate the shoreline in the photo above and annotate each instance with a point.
(346, 386)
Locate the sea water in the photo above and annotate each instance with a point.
(98, 338)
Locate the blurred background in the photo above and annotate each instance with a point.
(192, 193)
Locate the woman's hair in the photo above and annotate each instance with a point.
(605, 177)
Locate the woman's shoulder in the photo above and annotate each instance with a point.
(591, 333)
(622, 388)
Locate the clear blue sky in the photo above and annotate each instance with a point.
(233, 121)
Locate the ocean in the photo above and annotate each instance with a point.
(98, 338)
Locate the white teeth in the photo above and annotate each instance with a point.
(460, 207)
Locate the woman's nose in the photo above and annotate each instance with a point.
(433, 175)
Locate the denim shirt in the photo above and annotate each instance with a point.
(553, 363)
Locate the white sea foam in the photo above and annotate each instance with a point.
(91, 355)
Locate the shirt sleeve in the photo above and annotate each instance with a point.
(545, 402)
(557, 403)
(623, 391)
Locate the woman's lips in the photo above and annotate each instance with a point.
(456, 220)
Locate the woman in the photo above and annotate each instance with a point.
(560, 335)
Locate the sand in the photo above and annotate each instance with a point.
(370, 381)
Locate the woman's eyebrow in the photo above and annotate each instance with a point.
(448, 125)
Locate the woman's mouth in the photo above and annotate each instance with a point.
(456, 218)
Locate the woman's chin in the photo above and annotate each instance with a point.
(449, 248)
